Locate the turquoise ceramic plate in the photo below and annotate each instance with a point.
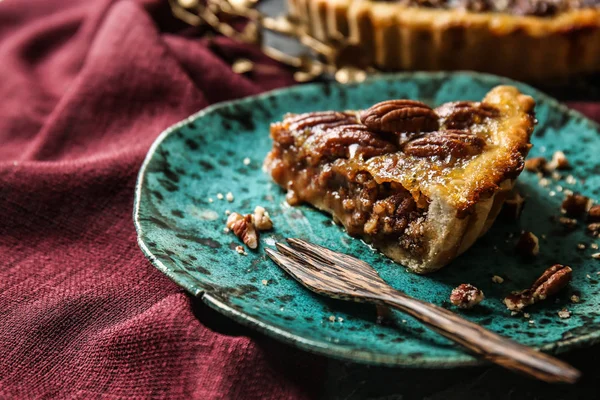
(180, 219)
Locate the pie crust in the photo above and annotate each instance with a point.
(421, 197)
(393, 36)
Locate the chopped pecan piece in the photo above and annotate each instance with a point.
(575, 205)
(536, 164)
(442, 144)
(513, 206)
(564, 313)
(463, 114)
(528, 245)
(243, 229)
(559, 161)
(466, 296)
(594, 214)
(551, 282)
(594, 228)
(400, 116)
(261, 219)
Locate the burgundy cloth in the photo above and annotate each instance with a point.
(86, 86)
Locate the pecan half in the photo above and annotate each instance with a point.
(462, 114)
(442, 144)
(549, 283)
(348, 141)
(323, 119)
(400, 116)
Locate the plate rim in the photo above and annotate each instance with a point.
(329, 349)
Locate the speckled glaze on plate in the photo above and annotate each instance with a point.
(180, 219)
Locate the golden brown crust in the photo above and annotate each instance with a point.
(394, 36)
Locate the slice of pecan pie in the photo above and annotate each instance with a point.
(420, 184)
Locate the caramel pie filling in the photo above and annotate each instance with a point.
(336, 163)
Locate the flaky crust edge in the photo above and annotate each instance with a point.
(451, 230)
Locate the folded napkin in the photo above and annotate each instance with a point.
(86, 86)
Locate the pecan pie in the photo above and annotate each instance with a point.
(524, 39)
(421, 184)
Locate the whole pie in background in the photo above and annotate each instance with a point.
(420, 184)
(524, 39)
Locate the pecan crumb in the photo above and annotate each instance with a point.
(575, 299)
(513, 206)
(576, 205)
(568, 223)
(594, 214)
(261, 219)
(549, 283)
(497, 279)
(536, 164)
(528, 244)
(466, 296)
(564, 313)
(559, 161)
(594, 228)
(240, 250)
(570, 179)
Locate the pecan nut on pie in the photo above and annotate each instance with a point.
(420, 184)
(524, 39)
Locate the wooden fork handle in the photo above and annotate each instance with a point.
(482, 342)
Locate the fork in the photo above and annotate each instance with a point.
(344, 277)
